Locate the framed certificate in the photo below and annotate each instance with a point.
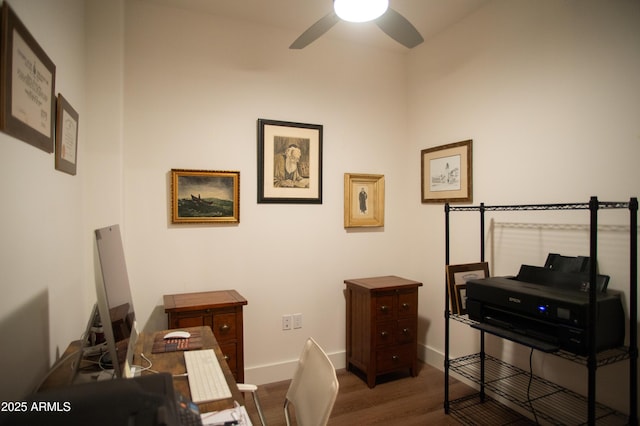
(66, 136)
(27, 85)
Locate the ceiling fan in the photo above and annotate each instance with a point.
(388, 20)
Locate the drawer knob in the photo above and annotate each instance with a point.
(405, 330)
(395, 358)
(226, 357)
(405, 306)
(224, 327)
(384, 308)
(384, 333)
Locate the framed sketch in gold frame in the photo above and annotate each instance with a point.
(27, 84)
(447, 173)
(457, 277)
(363, 200)
(66, 136)
(205, 196)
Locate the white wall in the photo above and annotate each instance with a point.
(195, 86)
(43, 288)
(547, 90)
(549, 93)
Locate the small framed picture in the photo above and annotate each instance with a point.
(27, 84)
(457, 277)
(203, 196)
(289, 162)
(66, 137)
(447, 172)
(461, 298)
(363, 200)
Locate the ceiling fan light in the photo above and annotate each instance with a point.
(360, 10)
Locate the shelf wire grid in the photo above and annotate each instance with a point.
(550, 402)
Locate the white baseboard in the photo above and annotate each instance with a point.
(277, 372)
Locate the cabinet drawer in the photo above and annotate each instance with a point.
(385, 333)
(230, 352)
(224, 326)
(394, 358)
(406, 332)
(384, 307)
(184, 320)
(408, 304)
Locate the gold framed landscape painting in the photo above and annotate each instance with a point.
(363, 200)
(205, 196)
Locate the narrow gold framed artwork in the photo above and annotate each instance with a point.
(205, 196)
(363, 200)
(447, 173)
(457, 277)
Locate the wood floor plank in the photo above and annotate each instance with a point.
(396, 400)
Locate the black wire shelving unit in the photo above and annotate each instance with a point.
(554, 404)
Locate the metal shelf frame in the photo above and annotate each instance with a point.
(593, 360)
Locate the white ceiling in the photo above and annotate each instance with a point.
(428, 16)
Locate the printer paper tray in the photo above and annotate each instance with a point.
(517, 337)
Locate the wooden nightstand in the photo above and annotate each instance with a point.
(220, 310)
(382, 323)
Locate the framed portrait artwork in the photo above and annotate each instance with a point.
(27, 84)
(363, 200)
(204, 196)
(447, 173)
(289, 162)
(457, 277)
(66, 137)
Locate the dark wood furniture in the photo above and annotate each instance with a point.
(173, 362)
(220, 310)
(382, 322)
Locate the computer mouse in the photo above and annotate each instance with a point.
(178, 334)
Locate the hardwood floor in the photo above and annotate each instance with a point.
(395, 400)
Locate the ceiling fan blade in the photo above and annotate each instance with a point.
(323, 25)
(399, 28)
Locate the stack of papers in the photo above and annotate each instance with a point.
(232, 416)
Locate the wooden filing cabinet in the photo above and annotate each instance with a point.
(220, 310)
(382, 323)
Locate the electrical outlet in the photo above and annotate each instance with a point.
(297, 320)
(286, 322)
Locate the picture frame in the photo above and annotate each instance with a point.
(457, 277)
(461, 298)
(446, 173)
(27, 84)
(289, 162)
(205, 196)
(66, 136)
(363, 200)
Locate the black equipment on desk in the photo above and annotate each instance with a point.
(141, 401)
(547, 308)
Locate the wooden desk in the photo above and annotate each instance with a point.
(173, 362)
(222, 311)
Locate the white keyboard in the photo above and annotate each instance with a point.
(206, 379)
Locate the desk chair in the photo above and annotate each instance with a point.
(313, 389)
